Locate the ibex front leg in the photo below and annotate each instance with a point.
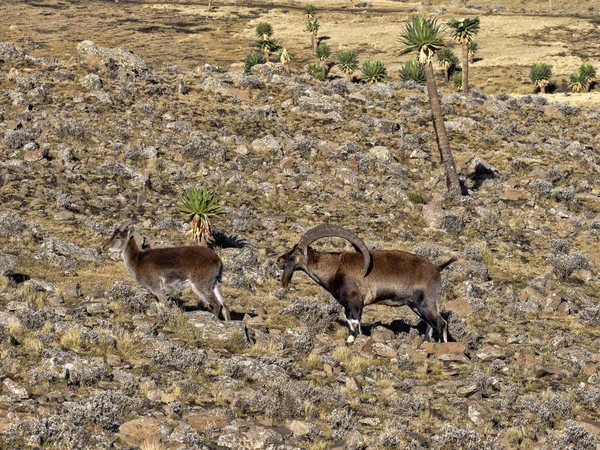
(353, 311)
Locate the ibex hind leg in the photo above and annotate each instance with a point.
(224, 307)
(205, 301)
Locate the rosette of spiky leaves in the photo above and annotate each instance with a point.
(447, 60)
(310, 11)
(312, 26)
(413, 71)
(264, 33)
(464, 30)
(200, 205)
(264, 30)
(347, 62)
(252, 60)
(422, 36)
(315, 71)
(267, 46)
(540, 74)
(457, 79)
(589, 72)
(472, 48)
(578, 81)
(323, 53)
(374, 71)
(285, 57)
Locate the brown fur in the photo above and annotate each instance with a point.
(396, 278)
(164, 269)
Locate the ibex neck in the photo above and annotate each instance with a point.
(130, 255)
(321, 268)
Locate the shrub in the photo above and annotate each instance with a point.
(540, 74)
(591, 315)
(252, 60)
(374, 71)
(457, 79)
(413, 71)
(347, 62)
(564, 266)
(200, 205)
(578, 81)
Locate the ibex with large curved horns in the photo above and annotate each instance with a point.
(361, 278)
(162, 270)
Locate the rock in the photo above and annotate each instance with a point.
(268, 144)
(479, 413)
(8, 51)
(353, 385)
(91, 82)
(7, 262)
(97, 308)
(462, 124)
(382, 154)
(4, 422)
(298, 428)
(35, 155)
(254, 438)
(467, 270)
(489, 353)
(59, 253)
(467, 390)
(591, 427)
(318, 316)
(200, 421)
(460, 307)
(384, 351)
(135, 432)
(433, 213)
(547, 371)
(14, 390)
(117, 61)
(155, 395)
(380, 334)
(438, 349)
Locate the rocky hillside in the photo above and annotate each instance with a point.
(88, 361)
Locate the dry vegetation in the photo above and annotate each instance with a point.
(88, 361)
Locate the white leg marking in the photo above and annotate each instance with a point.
(352, 323)
(429, 332)
(350, 339)
(218, 294)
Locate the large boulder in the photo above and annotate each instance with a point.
(118, 62)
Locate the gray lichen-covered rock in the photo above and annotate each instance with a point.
(91, 82)
(56, 251)
(9, 51)
(122, 62)
(255, 438)
(7, 262)
(318, 316)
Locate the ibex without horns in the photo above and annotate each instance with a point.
(162, 270)
(361, 278)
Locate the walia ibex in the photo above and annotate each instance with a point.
(361, 278)
(162, 270)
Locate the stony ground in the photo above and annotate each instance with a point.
(89, 361)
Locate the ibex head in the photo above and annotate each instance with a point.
(297, 257)
(119, 238)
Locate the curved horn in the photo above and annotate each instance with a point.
(336, 231)
(125, 225)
